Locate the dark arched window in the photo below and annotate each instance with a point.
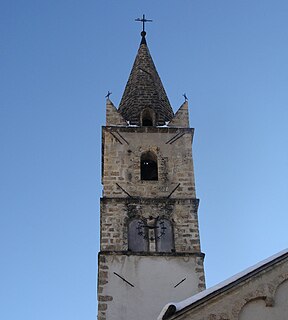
(147, 118)
(164, 236)
(137, 236)
(149, 168)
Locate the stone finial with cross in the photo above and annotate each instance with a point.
(108, 95)
(143, 20)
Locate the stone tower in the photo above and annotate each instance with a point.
(149, 238)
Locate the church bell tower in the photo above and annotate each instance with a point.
(149, 237)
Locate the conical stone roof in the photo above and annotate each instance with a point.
(144, 89)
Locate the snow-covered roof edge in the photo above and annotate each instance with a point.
(173, 307)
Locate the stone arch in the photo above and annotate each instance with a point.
(259, 309)
(260, 293)
(149, 166)
(281, 294)
(250, 305)
(147, 117)
(264, 295)
(278, 282)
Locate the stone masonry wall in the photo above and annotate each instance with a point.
(122, 149)
(126, 197)
(116, 212)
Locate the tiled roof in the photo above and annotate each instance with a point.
(144, 89)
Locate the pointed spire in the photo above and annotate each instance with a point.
(181, 118)
(113, 117)
(144, 89)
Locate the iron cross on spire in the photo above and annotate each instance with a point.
(143, 20)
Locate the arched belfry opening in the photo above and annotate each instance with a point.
(148, 117)
(149, 167)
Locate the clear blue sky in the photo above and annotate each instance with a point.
(59, 59)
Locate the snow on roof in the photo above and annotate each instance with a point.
(164, 125)
(177, 306)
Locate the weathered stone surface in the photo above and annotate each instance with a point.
(144, 89)
(113, 117)
(181, 118)
(122, 149)
(115, 213)
(126, 197)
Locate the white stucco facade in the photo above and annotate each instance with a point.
(153, 280)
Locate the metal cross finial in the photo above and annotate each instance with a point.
(143, 20)
(108, 94)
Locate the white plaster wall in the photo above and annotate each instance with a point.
(153, 278)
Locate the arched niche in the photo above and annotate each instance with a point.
(148, 118)
(137, 236)
(149, 166)
(164, 236)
